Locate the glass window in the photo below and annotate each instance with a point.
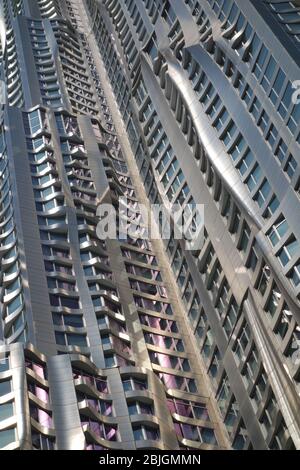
(254, 178)
(272, 135)
(224, 10)
(273, 301)
(139, 407)
(4, 362)
(238, 147)
(288, 251)
(6, 411)
(293, 122)
(295, 275)
(246, 162)
(145, 433)
(263, 193)
(5, 387)
(272, 207)
(278, 86)
(278, 231)
(232, 16)
(262, 56)
(7, 437)
(255, 108)
(269, 73)
(286, 101)
(281, 151)
(291, 166)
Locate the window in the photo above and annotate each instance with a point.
(224, 10)
(223, 394)
(188, 409)
(242, 342)
(75, 321)
(195, 433)
(269, 414)
(291, 166)
(165, 342)
(278, 231)
(255, 108)
(139, 407)
(229, 133)
(57, 301)
(4, 362)
(177, 382)
(70, 339)
(294, 275)
(245, 236)
(238, 148)
(288, 252)
(268, 75)
(7, 437)
(5, 388)
(222, 118)
(254, 178)
(272, 207)
(263, 121)
(283, 322)
(286, 100)
(6, 411)
(264, 279)
(251, 366)
(41, 442)
(263, 193)
(246, 162)
(133, 383)
(281, 441)
(231, 17)
(223, 298)
(142, 433)
(293, 122)
(272, 135)
(232, 414)
(240, 438)
(32, 122)
(273, 301)
(247, 95)
(277, 87)
(215, 364)
(171, 362)
(235, 221)
(230, 318)
(260, 61)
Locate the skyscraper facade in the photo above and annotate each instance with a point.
(143, 343)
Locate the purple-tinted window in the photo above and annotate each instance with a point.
(70, 303)
(188, 409)
(184, 409)
(44, 418)
(99, 383)
(54, 300)
(180, 383)
(101, 430)
(94, 447)
(39, 392)
(37, 368)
